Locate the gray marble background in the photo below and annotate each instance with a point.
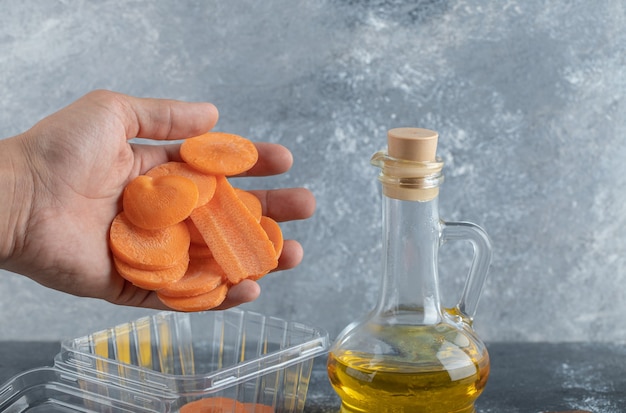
(529, 98)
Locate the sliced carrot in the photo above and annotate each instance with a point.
(274, 233)
(199, 302)
(219, 153)
(213, 405)
(251, 202)
(257, 408)
(199, 251)
(155, 203)
(148, 249)
(204, 182)
(152, 279)
(202, 276)
(238, 242)
(194, 235)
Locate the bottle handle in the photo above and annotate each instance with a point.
(466, 231)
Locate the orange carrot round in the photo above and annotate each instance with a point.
(148, 249)
(204, 182)
(251, 202)
(213, 405)
(274, 233)
(199, 251)
(194, 235)
(199, 302)
(202, 276)
(152, 279)
(219, 153)
(155, 203)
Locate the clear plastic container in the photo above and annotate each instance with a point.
(182, 357)
(50, 390)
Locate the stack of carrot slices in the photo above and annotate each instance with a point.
(187, 233)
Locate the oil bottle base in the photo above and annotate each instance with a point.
(402, 409)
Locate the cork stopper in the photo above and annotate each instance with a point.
(410, 169)
(412, 144)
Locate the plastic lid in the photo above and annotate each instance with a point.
(412, 144)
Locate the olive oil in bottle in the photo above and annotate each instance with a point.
(410, 355)
(448, 378)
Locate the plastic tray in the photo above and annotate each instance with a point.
(49, 390)
(182, 357)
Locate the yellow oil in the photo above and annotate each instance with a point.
(435, 375)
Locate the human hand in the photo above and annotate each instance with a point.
(64, 178)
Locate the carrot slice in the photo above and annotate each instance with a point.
(213, 405)
(251, 202)
(201, 277)
(194, 235)
(257, 408)
(219, 153)
(152, 279)
(204, 182)
(155, 203)
(148, 249)
(238, 242)
(274, 233)
(199, 302)
(198, 251)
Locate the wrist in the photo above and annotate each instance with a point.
(16, 187)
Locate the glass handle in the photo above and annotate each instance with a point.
(466, 231)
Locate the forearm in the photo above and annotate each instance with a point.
(16, 192)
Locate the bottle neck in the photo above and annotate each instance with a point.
(411, 234)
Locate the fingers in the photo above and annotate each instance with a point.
(244, 292)
(273, 159)
(291, 256)
(287, 204)
(160, 119)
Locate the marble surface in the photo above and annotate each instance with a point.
(528, 97)
(525, 377)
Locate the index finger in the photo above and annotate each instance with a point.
(159, 119)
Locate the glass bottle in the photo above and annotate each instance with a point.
(409, 354)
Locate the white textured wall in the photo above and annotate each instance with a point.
(529, 98)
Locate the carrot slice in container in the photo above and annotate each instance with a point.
(201, 277)
(213, 405)
(204, 182)
(152, 279)
(199, 302)
(155, 203)
(238, 242)
(251, 202)
(148, 249)
(219, 153)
